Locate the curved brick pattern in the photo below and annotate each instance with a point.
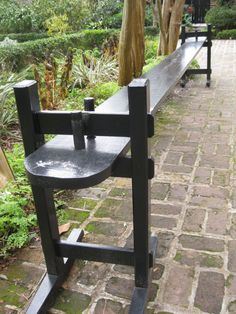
(193, 213)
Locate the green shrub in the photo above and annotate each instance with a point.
(98, 70)
(16, 216)
(151, 63)
(225, 2)
(14, 17)
(105, 14)
(24, 37)
(57, 25)
(151, 45)
(27, 16)
(222, 17)
(8, 116)
(100, 92)
(227, 34)
(25, 53)
(151, 31)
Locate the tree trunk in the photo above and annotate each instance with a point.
(125, 45)
(155, 14)
(175, 23)
(131, 46)
(170, 18)
(138, 44)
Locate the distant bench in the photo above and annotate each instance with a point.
(89, 147)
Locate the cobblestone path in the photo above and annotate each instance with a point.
(193, 214)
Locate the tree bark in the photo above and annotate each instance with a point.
(138, 44)
(155, 19)
(125, 45)
(171, 17)
(175, 23)
(131, 46)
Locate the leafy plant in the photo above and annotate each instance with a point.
(151, 45)
(16, 215)
(225, 2)
(7, 109)
(105, 14)
(52, 90)
(8, 42)
(227, 34)
(57, 25)
(89, 70)
(14, 17)
(222, 17)
(22, 54)
(100, 92)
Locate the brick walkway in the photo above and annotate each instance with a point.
(193, 214)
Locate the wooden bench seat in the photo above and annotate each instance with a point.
(163, 78)
(57, 164)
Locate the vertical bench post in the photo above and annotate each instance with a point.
(27, 101)
(183, 40)
(139, 105)
(209, 45)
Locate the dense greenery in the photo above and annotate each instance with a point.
(222, 17)
(16, 215)
(62, 15)
(225, 2)
(22, 37)
(227, 34)
(19, 17)
(37, 15)
(22, 54)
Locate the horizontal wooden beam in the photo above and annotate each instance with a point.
(100, 124)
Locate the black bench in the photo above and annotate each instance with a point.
(89, 147)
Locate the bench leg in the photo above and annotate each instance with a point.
(57, 267)
(183, 80)
(139, 105)
(209, 45)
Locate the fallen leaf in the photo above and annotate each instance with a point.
(64, 228)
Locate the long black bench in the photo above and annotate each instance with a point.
(89, 147)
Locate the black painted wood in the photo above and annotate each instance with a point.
(139, 105)
(163, 78)
(123, 167)
(140, 295)
(102, 124)
(57, 164)
(48, 288)
(95, 252)
(43, 166)
(47, 220)
(27, 101)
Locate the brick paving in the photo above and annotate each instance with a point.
(193, 213)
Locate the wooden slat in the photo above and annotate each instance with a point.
(162, 77)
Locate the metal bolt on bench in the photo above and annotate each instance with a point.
(89, 147)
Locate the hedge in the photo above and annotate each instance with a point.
(24, 37)
(227, 34)
(222, 17)
(22, 54)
